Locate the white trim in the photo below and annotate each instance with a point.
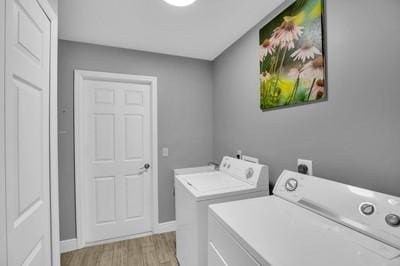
(166, 227)
(55, 227)
(116, 239)
(68, 245)
(154, 143)
(3, 226)
(72, 244)
(79, 77)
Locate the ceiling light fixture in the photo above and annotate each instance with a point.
(180, 2)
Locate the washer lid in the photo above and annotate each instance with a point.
(213, 181)
(277, 232)
(205, 186)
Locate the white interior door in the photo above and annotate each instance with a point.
(116, 146)
(27, 133)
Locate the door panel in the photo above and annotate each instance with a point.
(104, 137)
(29, 123)
(105, 199)
(27, 133)
(134, 196)
(134, 144)
(117, 136)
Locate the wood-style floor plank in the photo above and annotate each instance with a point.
(93, 253)
(135, 256)
(155, 250)
(150, 257)
(106, 256)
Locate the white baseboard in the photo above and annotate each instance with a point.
(166, 227)
(72, 244)
(68, 245)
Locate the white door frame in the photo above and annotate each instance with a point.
(55, 233)
(79, 77)
(3, 220)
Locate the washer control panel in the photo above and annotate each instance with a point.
(376, 214)
(252, 173)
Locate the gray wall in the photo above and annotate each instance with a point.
(184, 115)
(354, 137)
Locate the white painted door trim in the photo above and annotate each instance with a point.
(54, 205)
(71, 244)
(55, 239)
(79, 77)
(3, 229)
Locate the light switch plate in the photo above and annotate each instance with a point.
(165, 152)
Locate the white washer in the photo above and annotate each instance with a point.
(308, 222)
(236, 179)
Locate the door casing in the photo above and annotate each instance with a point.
(53, 164)
(79, 77)
(3, 220)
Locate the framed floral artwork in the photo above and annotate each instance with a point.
(292, 57)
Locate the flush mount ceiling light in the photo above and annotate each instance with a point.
(180, 2)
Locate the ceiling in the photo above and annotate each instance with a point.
(202, 30)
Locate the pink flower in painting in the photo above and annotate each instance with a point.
(294, 73)
(287, 33)
(261, 54)
(274, 41)
(266, 48)
(314, 69)
(307, 51)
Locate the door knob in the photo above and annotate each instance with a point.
(146, 166)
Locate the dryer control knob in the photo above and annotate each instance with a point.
(249, 173)
(393, 220)
(291, 184)
(367, 208)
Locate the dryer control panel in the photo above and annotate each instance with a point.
(252, 173)
(371, 213)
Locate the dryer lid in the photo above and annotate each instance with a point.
(278, 232)
(373, 214)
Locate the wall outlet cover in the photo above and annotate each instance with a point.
(239, 154)
(308, 163)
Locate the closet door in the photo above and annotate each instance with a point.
(27, 83)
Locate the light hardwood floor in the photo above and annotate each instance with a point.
(155, 250)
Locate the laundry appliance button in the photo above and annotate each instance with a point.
(367, 209)
(393, 220)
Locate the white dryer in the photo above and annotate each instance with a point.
(308, 221)
(235, 180)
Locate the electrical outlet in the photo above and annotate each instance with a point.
(307, 163)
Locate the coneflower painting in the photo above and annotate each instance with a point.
(292, 60)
